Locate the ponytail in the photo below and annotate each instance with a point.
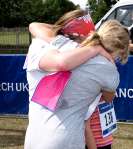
(92, 40)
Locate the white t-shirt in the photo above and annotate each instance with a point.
(37, 49)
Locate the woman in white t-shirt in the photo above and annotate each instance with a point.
(64, 127)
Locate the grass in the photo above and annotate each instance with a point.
(12, 133)
(13, 38)
(14, 42)
(123, 138)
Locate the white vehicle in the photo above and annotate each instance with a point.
(121, 11)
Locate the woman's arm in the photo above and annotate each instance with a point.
(53, 60)
(108, 96)
(89, 138)
(42, 31)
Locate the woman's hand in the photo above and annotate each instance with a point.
(108, 96)
(41, 30)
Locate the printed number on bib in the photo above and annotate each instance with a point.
(107, 118)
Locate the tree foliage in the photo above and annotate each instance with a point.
(53, 9)
(99, 7)
(22, 12)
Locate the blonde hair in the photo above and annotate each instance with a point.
(66, 18)
(113, 36)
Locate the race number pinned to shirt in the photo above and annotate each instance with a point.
(107, 118)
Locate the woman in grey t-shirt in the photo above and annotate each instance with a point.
(64, 128)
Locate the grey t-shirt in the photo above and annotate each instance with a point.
(64, 128)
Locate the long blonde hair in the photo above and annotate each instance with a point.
(113, 36)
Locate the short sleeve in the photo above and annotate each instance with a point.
(39, 47)
(110, 79)
(104, 73)
(107, 76)
(36, 50)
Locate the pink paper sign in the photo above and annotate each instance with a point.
(50, 88)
